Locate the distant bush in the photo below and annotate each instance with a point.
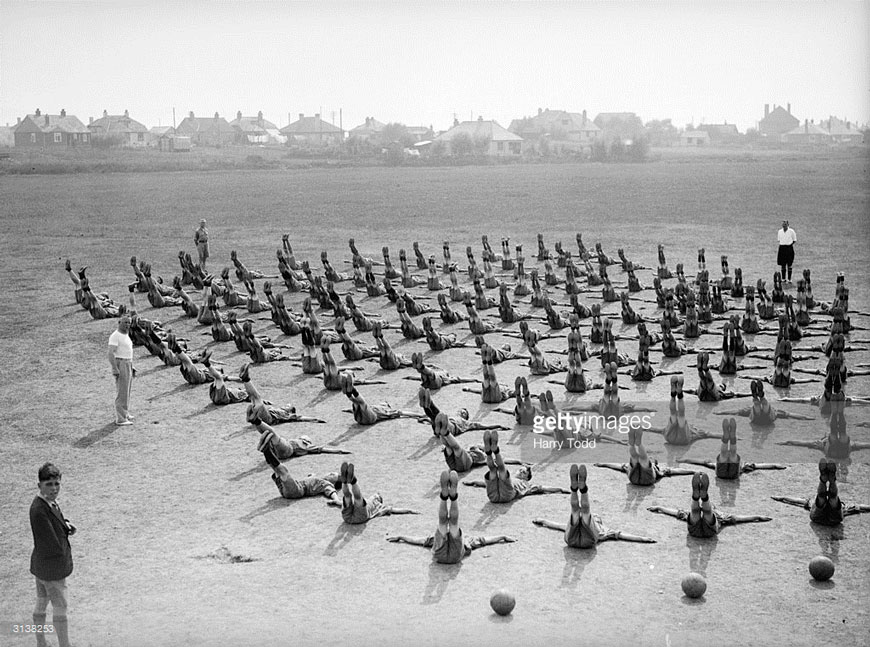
(111, 141)
(395, 155)
(619, 151)
(461, 145)
(257, 162)
(481, 144)
(438, 149)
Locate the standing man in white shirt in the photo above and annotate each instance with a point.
(785, 257)
(121, 361)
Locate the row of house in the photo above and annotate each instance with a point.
(38, 130)
(780, 124)
(555, 130)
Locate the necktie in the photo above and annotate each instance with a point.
(55, 508)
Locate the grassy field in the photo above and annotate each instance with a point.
(182, 536)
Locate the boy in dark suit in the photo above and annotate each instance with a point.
(51, 561)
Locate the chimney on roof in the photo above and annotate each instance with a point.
(217, 116)
(90, 120)
(105, 113)
(260, 118)
(126, 114)
(301, 116)
(63, 112)
(539, 112)
(19, 120)
(38, 113)
(317, 115)
(766, 110)
(480, 117)
(190, 114)
(239, 115)
(788, 108)
(455, 121)
(584, 116)
(806, 127)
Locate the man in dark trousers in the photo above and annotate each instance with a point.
(200, 239)
(51, 561)
(785, 255)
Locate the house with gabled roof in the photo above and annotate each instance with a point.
(365, 131)
(809, 133)
(487, 136)
(256, 130)
(157, 132)
(206, 131)
(51, 131)
(778, 121)
(843, 132)
(421, 133)
(119, 128)
(695, 138)
(558, 125)
(312, 131)
(721, 133)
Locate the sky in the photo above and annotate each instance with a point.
(425, 63)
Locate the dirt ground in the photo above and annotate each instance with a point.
(183, 539)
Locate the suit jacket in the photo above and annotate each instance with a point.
(52, 555)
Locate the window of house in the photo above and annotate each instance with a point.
(515, 148)
(58, 138)
(32, 138)
(141, 137)
(85, 137)
(500, 146)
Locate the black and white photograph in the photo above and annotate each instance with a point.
(440, 322)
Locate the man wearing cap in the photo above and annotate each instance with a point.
(200, 239)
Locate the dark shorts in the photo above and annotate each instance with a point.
(447, 549)
(500, 490)
(464, 460)
(583, 535)
(785, 255)
(639, 475)
(728, 470)
(369, 509)
(225, 395)
(827, 514)
(762, 416)
(835, 448)
(702, 528)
